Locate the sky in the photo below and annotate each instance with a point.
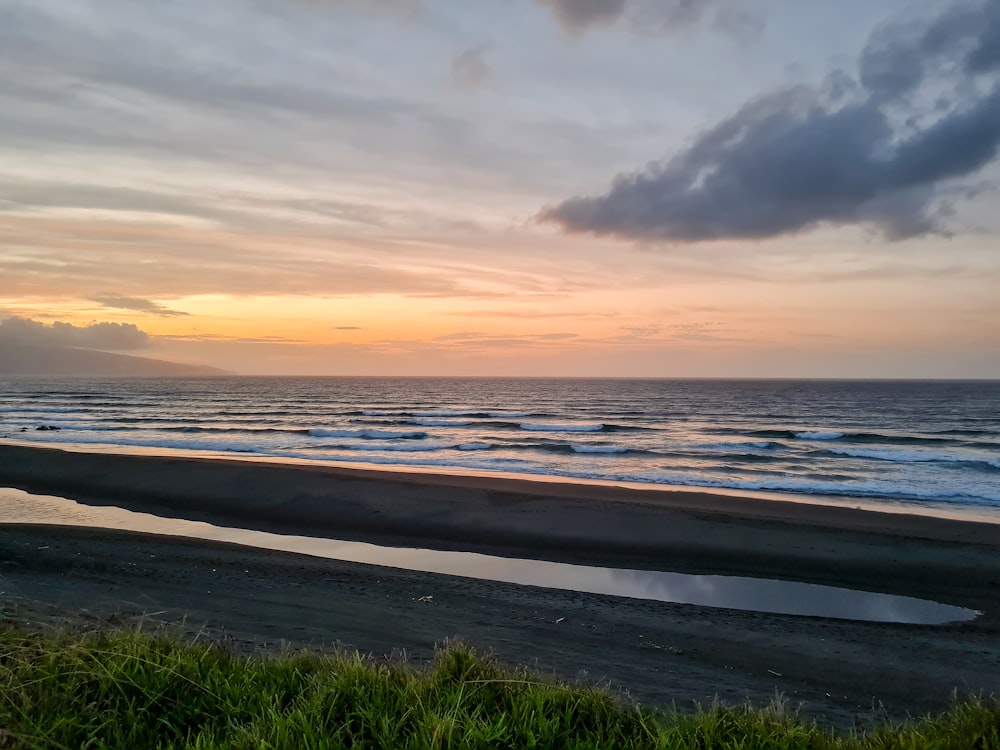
(651, 188)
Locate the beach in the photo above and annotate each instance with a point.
(660, 653)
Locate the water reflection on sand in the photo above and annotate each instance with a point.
(753, 594)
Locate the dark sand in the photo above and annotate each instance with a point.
(660, 653)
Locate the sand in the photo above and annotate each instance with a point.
(657, 652)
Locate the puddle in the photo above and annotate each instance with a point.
(733, 592)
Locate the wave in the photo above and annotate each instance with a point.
(557, 446)
(436, 413)
(538, 427)
(30, 410)
(583, 448)
(830, 487)
(368, 434)
(439, 422)
(819, 435)
(192, 429)
(412, 447)
(990, 446)
(899, 456)
(436, 454)
(851, 437)
(751, 445)
(967, 432)
(749, 458)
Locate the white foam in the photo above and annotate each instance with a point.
(807, 435)
(736, 446)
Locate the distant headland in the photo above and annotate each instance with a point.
(46, 361)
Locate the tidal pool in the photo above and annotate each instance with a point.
(732, 592)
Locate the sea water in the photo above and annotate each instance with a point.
(918, 443)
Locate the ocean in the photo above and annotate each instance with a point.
(888, 443)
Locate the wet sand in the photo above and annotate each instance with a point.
(658, 652)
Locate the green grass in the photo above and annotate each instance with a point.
(135, 691)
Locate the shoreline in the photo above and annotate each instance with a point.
(659, 652)
(680, 531)
(973, 514)
(930, 509)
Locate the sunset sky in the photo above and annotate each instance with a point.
(527, 187)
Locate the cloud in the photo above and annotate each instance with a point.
(642, 332)
(867, 153)
(699, 332)
(110, 336)
(215, 338)
(470, 69)
(59, 257)
(404, 8)
(647, 17)
(474, 340)
(535, 314)
(347, 328)
(741, 23)
(897, 57)
(135, 303)
(576, 16)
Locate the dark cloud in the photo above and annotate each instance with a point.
(110, 336)
(795, 158)
(740, 22)
(666, 16)
(576, 16)
(135, 303)
(899, 56)
(470, 68)
(654, 16)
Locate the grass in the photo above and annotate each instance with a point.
(135, 691)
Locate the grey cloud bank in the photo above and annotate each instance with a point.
(795, 158)
(110, 336)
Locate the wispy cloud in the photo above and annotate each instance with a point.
(135, 303)
(216, 338)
